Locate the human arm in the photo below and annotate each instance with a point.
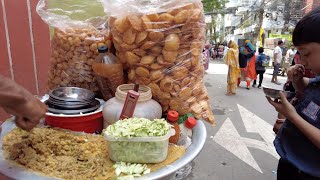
(275, 55)
(283, 106)
(19, 102)
(277, 125)
(295, 75)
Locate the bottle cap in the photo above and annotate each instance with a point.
(172, 116)
(102, 49)
(190, 123)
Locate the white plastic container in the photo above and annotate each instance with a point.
(139, 149)
(145, 108)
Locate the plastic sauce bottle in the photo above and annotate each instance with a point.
(186, 132)
(172, 118)
(108, 72)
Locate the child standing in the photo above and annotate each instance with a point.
(298, 140)
(260, 67)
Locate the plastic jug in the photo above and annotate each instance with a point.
(146, 107)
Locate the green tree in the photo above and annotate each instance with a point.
(212, 6)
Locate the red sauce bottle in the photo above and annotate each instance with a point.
(172, 118)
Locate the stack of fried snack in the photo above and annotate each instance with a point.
(164, 51)
(72, 53)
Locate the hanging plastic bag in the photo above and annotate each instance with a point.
(79, 29)
(160, 42)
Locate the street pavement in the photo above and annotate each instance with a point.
(240, 146)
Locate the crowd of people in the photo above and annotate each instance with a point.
(297, 127)
(244, 65)
(253, 65)
(217, 51)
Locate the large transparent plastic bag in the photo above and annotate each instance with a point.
(161, 42)
(79, 29)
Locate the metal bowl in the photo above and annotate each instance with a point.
(274, 93)
(71, 111)
(67, 104)
(72, 94)
(80, 101)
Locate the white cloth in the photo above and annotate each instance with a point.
(277, 55)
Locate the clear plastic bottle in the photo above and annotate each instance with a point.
(186, 132)
(172, 118)
(108, 72)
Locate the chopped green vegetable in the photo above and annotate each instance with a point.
(138, 127)
(138, 152)
(126, 146)
(133, 170)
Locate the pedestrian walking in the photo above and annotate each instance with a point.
(298, 140)
(206, 56)
(261, 61)
(248, 64)
(290, 54)
(216, 51)
(277, 59)
(287, 60)
(232, 60)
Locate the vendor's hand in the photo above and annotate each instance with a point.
(283, 106)
(19, 102)
(28, 114)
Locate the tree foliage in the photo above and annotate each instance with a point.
(210, 5)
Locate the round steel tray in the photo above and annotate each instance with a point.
(69, 105)
(71, 94)
(198, 141)
(199, 135)
(58, 110)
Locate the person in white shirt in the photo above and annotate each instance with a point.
(277, 58)
(290, 54)
(288, 60)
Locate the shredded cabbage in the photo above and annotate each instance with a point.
(132, 170)
(138, 127)
(138, 151)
